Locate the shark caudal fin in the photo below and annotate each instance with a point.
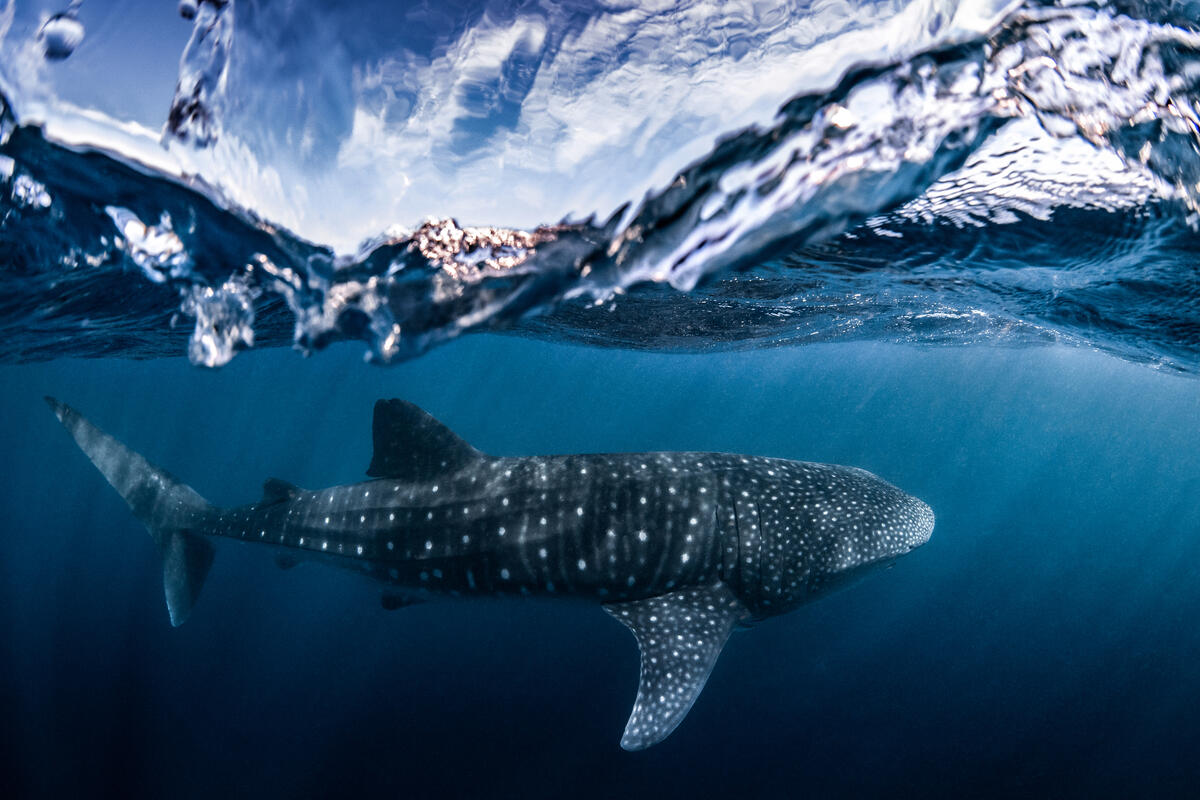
(171, 510)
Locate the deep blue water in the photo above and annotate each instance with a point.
(1043, 643)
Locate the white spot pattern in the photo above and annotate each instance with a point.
(680, 636)
(770, 533)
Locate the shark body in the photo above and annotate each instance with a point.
(680, 547)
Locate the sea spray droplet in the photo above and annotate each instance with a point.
(60, 35)
(156, 249)
(7, 122)
(224, 320)
(195, 114)
(28, 193)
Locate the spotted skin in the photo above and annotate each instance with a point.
(680, 636)
(679, 547)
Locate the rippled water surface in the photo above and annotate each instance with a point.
(936, 173)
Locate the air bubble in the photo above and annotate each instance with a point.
(60, 35)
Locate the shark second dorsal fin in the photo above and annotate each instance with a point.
(680, 636)
(276, 491)
(412, 445)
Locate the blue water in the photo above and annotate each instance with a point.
(1042, 643)
(952, 242)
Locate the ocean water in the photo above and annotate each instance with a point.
(952, 243)
(1042, 643)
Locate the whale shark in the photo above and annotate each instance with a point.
(680, 547)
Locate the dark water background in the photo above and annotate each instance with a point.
(1044, 643)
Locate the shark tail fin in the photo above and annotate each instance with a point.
(172, 511)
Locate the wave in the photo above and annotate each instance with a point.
(1036, 181)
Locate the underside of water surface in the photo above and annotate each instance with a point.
(672, 178)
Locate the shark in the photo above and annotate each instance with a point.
(680, 547)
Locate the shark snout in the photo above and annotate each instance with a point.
(922, 525)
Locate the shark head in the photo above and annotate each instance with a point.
(921, 528)
(893, 523)
(871, 523)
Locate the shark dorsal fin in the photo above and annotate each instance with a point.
(276, 491)
(412, 445)
(680, 636)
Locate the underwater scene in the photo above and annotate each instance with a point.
(497, 398)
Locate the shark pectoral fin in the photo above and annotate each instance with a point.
(680, 636)
(411, 445)
(276, 491)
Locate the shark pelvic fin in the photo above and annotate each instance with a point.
(170, 510)
(276, 491)
(412, 445)
(392, 600)
(286, 561)
(680, 636)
